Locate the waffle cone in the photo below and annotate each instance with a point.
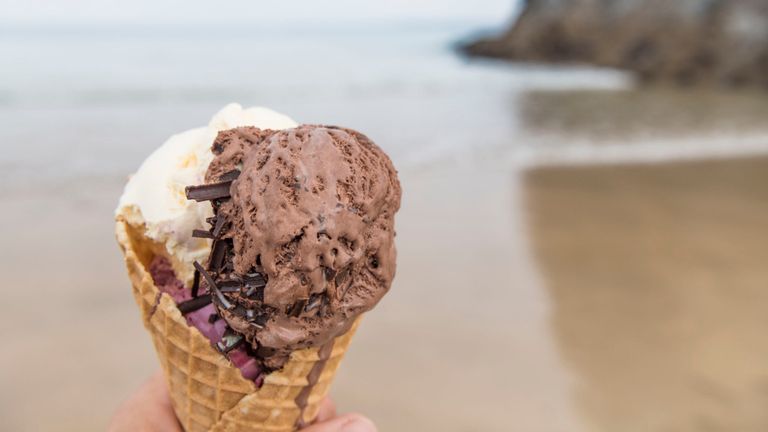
(207, 391)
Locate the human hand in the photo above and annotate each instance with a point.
(149, 410)
(328, 421)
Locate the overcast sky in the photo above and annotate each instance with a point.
(224, 11)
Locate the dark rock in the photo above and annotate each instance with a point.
(683, 41)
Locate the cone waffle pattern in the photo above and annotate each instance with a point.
(207, 391)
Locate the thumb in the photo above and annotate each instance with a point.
(345, 423)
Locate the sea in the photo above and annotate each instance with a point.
(89, 101)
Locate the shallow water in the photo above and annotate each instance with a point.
(114, 95)
(619, 293)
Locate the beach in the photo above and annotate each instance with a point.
(569, 259)
(636, 296)
(657, 275)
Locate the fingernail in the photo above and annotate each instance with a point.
(358, 424)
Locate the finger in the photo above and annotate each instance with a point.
(158, 390)
(148, 409)
(160, 406)
(327, 410)
(345, 423)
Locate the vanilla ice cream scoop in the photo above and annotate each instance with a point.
(155, 199)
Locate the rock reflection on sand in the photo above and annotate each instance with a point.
(639, 114)
(659, 281)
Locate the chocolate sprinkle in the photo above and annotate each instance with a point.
(230, 176)
(229, 341)
(263, 351)
(208, 192)
(205, 274)
(230, 289)
(260, 320)
(329, 273)
(314, 301)
(212, 285)
(297, 307)
(219, 251)
(258, 290)
(255, 279)
(223, 300)
(231, 285)
(195, 283)
(198, 233)
(220, 221)
(194, 304)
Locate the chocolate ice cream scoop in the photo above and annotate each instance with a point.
(303, 233)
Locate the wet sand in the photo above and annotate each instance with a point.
(643, 114)
(659, 287)
(566, 299)
(460, 343)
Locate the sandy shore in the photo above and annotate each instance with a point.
(657, 276)
(560, 300)
(461, 342)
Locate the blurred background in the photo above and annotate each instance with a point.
(583, 242)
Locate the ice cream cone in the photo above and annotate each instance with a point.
(207, 391)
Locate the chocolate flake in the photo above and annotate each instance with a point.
(260, 320)
(329, 273)
(297, 307)
(255, 279)
(229, 341)
(223, 300)
(205, 274)
(257, 318)
(208, 192)
(198, 233)
(194, 304)
(220, 221)
(230, 285)
(212, 285)
(314, 301)
(255, 282)
(230, 176)
(264, 352)
(257, 290)
(219, 251)
(195, 283)
(230, 288)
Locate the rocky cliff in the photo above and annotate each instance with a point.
(685, 41)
